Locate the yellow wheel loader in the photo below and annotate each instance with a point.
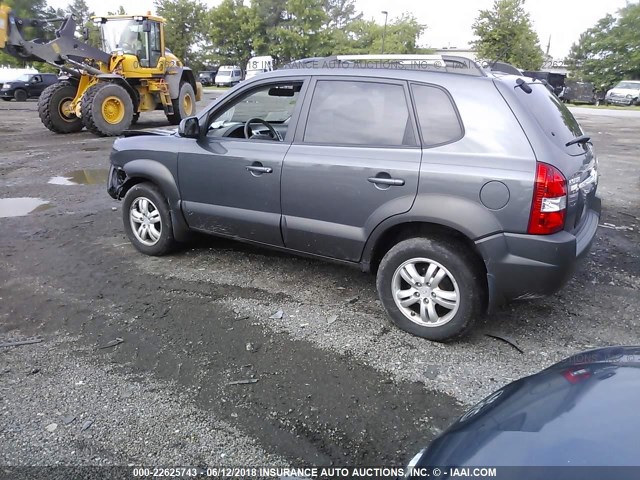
(104, 90)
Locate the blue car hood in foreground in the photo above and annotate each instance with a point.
(583, 411)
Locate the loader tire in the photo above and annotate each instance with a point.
(184, 106)
(50, 108)
(107, 109)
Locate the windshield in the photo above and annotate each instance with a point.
(628, 85)
(125, 35)
(22, 78)
(224, 73)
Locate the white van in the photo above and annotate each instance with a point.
(258, 65)
(228, 76)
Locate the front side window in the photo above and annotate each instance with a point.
(437, 116)
(359, 113)
(126, 36)
(267, 106)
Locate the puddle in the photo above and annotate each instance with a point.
(82, 177)
(17, 207)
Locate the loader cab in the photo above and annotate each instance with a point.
(139, 38)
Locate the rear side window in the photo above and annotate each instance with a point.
(437, 117)
(555, 119)
(359, 113)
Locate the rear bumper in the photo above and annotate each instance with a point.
(523, 266)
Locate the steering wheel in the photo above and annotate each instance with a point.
(274, 133)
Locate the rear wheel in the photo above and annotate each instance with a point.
(147, 220)
(184, 106)
(20, 95)
(107, 109)
(53, 108)
(430, 288)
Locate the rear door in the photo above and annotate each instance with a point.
(355, 161)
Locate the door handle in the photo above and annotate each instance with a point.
(259, 169)
(392, 182)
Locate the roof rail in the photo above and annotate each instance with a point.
(419, 62)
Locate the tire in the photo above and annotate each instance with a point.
(50, 108)
(159, 243)
(184, 106)
(461, 278)
(20, 95)
(7, 99)
(107, 109)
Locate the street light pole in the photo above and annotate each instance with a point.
(384, 32)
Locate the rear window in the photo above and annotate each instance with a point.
(437, 116)
(554, 118)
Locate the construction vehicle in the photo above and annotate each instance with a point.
(106, 89)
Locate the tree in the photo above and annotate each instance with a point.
(184, 30)
(301, 32)
(365, 36)
(36, 9)
(341, 13)
(231, 30)
(610, 50)
(120, 11)
(505, 33)
(80, 9)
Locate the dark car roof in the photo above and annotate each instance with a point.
(582, 411)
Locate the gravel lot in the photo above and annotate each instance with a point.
(331, 382)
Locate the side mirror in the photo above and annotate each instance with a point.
(85, 34)
(146, 26)
(189, 128)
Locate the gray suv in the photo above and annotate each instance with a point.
(460, 188)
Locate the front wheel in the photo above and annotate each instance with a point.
(147, 220)
(430, 288)
(107, 109)
(184, 106)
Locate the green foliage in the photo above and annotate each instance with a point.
(119, 11)
(231, 28)
(185, 27)
(25, 9)
(365, 36)
(505, 33)
(235, 30)
(610, 50)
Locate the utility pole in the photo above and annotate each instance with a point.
(384, 32)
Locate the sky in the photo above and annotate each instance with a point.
(449, 22)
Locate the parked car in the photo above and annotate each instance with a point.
(29, 85)
(228, 76)
(575, 413)
(207, 77)
(579, 92)
(624, 93)
(257, 65)
(486, 193)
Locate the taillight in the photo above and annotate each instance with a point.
(549, 206)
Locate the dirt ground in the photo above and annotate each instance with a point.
(329, 383)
